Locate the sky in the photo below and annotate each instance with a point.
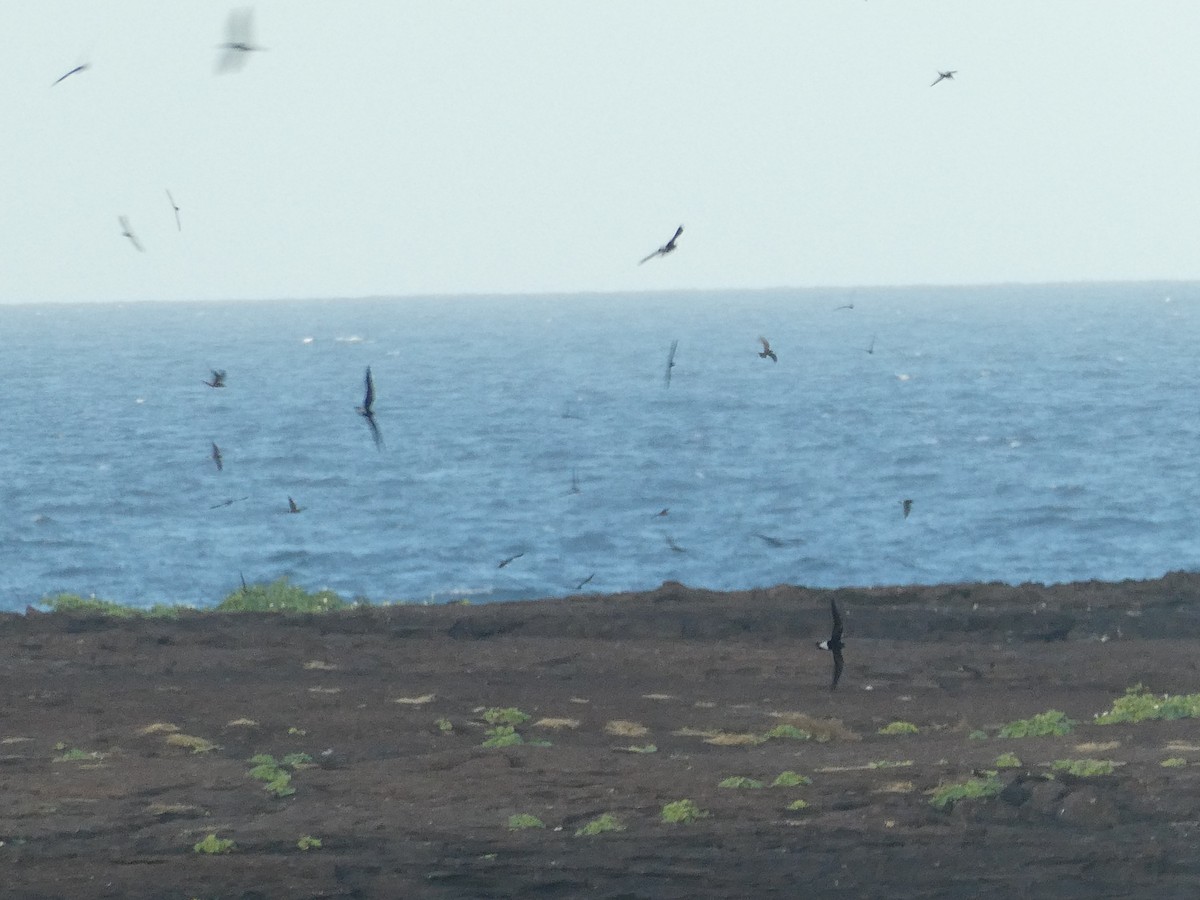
(380, 147)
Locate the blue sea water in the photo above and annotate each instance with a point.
(1044, 433)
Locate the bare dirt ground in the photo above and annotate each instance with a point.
(102, 794)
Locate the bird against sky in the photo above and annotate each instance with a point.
(292, 507)
(767, 351)
(671, 361)
(505, 562)
(218, 378)
(945, 76)
(126, 231)
(579, 587)
(239, 41)
(216, 457)
(367, 410)
(907, 504)
(175, 206)
(834, 644)
(80, 68)
(665, 248)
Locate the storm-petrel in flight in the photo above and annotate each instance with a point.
(945, 76)
(663, 511)
(834, 644)
(367, 410)
(126, 231)
(844, 306)
(239, 40)
(505, 562)
(175, 206)
(292, 507)
(671, 361)
(907, 504)
(228, 502)
(674, 546)
(665, 248)
(218, 380)
(579, 587)
(216, 456)
(767, 351)
(80, 68)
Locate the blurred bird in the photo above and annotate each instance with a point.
(80, 68)
(579, 587)
(844, 306)
(944, 76)
(663, 511)
(907, 504)
(367, 410)
(665, 248)
(767, 351)
(505, 562)
(292, 507)
(674, 546)
(228, 502)
(871, 348)
(218, 379)
(239, 40)
(126, 231)
(174, 206)
(834, 644)
(671, 361)
(216, 456)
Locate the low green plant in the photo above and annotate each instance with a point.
(77, 755)
(280, 596)
(889, 763)
(796, 805)
(1050, 722)
(444, 725)
(213, 844)
(508, 715)
(297, 761)
(682, 812)
(1138, 705)
(977, 735)
(947, 795)
(899, 728)
(521, 821)
(1174, 762)
(278, 780)
(502, 736)
(1007, 761)
(790, 779)
(1083, 768)
(787, 732)
(599, 825)
(308, 842)
(740, 781)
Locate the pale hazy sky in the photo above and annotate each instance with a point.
(488, 146)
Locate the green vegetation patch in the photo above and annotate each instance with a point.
(281, 596)
(73, 603)
(275, 773)
(972, 789)
(1174, 762)
(1007, 761)
(797, 805)
(521, 821)
(599, 825)
(899, 728)
(308, 842)
(1084, 768)
(508, 715)
(977, 735)
(213, 844)
(77, 755)
(444, 725)
(1138, 705)
(741, 781)
(787, 733)
(1050, 722)
(790, 779)
(502, 736)
(682, 812)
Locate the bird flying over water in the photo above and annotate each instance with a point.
(844, 306)
(239, 40)
(907, 504)
(126, 231)
(665, 248)
(216, 456)
(175, 206)
(367, 410)
(834, 644)
(505, 562)
(663, 511)
(80, 68)
(871, 348)
(943, 76)
(767, 351)
(671, 361)
(674, 546)
(228, 502)
(292, 507)
(579, 587)
(218, 379)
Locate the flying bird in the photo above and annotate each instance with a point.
(871, 348)
(80, 68)
(238, 40)
(907, 504)
(579, 587)
(505, 562)
(292, 507)
(844, 306)
(367, 410)
(218, 379)
(175, 206)
(767, 351)
(674, 546)
(228, 502)
(671, 361)
(665, 248)
(942, 76)
(834, 644)
(216, 456)
(663, 511)
(126, 231)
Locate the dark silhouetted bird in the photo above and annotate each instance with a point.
(175, 206)
(844, 306)
(80, 68)
(767, 351)
(367, 410)
(292, 507)
(505, 562)
(671, 361)
(218, 379)
(663, 511)
(216, 456)
(666, 248)
(579, 587)
(907, 504)
(871, 348)
(126, 231)
(834, 644)
(228, 502)
(944, 76)
(239, 40)
(674, 546)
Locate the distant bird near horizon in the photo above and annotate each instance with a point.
(228, 502)
(218, 378)
(239, 40)
(367, 410)
(505, 562)
(126, 231)
(666, 248)
(83, 67)
(767, 351)
(907, 504)
(834, 644)
(216, 457)
(945, 76)
(579, 587)
(844, 306)
(175, 206)
(292, 507)
(663, 511)
(772, 541)
(671, 361)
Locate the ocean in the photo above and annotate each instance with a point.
(1043, 433)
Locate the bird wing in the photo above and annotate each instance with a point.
(671, 361)
(369, 397)
(837, 620)
(766, 344)
(837, 668)
(375, 435)
(675, 236)
(72, 72)
(292, 504)
(649, 256)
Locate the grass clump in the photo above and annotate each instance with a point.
(521, 821)
(977, 735)
(77, 755)
(682, 812)
(308, 842)
(797, 805)
(278, 779)
(1174, 762)
(1007, 761)
(1139, 704)
(213, 845)
(899, 728)
(508, 715)
(502, 736)
(599, 825)
(740, 781)
(787, 733)
(1050, 722)
(1083, 768)
(790, 779)
(444, 725)
(280, 596)
(191, 742)
(972, 789)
